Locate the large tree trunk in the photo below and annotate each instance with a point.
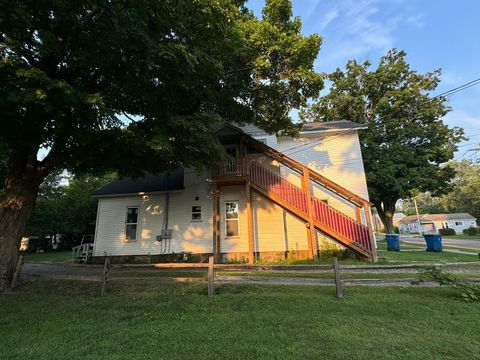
(386, 210)
(16, 205)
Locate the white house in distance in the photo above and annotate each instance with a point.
(378, 225)
(278, 197)
(434, 222)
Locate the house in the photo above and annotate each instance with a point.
(434, 222)
(378, 225)
(278, 197)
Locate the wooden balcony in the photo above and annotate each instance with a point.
(231, 172)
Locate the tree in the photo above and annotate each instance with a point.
(464, 194)
(67, 208)
(426, 204)
(172, 68)
(406, 141)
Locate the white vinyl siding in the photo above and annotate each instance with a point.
(234, 244)
(187, 235)
(337, 156)
(334, 156)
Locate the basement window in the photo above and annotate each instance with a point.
(131, 224)
(232, 227)
(196, 213)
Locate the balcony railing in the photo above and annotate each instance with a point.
(234, 168)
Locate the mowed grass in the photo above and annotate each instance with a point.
(419, 256)
(463, 237)
(68, 320)
(49, 256)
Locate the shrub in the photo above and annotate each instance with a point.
(471, 231)
(468, 292)
(447, 232)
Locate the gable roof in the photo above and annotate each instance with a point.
(149, 183)
(338, 125)
(437, 217)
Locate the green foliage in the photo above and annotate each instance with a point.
(462, 197)
(468, 292)
(107, 85)
(472, 231)
(406, 142)
(68, 208)
(447, 232)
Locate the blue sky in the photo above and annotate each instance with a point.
(435, 33)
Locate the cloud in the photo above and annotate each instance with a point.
(359, 29)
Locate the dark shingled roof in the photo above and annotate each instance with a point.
(332, 125)
(149, 183)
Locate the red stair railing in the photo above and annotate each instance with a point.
(278, 185)
(322, 212)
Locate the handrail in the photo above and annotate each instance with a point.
(230, 168)
(320, 179)
(323, 214)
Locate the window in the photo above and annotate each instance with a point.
(196, 213)
(459, 223)
(131, 224)
(231, 218)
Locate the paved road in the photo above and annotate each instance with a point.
(470, 244)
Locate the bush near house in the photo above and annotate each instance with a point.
(472, 231)
(447, 232)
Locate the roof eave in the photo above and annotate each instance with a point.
(141, 193)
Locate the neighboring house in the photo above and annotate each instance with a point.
(434, 222)
(278, 197)
(378, 225)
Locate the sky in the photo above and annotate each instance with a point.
(435, 34)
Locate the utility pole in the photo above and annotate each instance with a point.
(475, 150)
(418, 217)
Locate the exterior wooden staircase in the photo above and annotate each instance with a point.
(349, 232)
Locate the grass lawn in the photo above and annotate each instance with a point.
(419, 256)
(384, 255)
(463, 237)
(50, 256)
(68, 320)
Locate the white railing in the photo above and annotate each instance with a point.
(82, 252)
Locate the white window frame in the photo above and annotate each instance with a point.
(458, 223)
(127, 223)
(237, 220)
(196, 212)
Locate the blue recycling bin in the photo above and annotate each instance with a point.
(434, 242)
(393, 243)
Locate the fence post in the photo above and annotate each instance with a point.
(211, 276)
(106, 271)
(338, 282)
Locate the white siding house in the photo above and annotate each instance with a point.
(133, 216)
(435, 222)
